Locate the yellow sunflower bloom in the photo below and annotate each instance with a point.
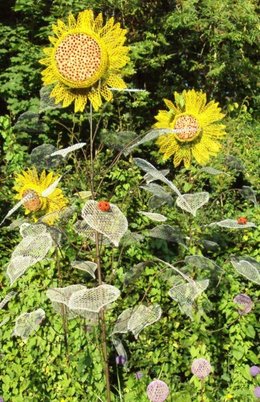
(47, 208)
(196, 128)
(85, 60)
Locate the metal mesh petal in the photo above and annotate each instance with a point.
(112, 224)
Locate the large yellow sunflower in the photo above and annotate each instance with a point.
(47, 208)
(85, 60)
(196, 128)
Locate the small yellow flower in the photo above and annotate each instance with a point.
(29, 184)
(85, 60)
(228, 397)
(196, 131)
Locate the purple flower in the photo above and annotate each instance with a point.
(254, 370)
(157, 391)
(1, 399)
(120, 360)
(138, 375)
(201, 368)
(257, 392)
(245, 303)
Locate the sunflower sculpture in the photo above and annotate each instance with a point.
(195, 126)
(85, 61)
(47, 208)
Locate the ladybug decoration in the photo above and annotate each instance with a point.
(104, 206)
(242, 220)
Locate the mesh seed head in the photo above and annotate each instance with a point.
(257, 392)
(112, 224)
(94, 299)
(28, 323)
(245, 303)
(201, 368)
(157, 391)
(254, 371)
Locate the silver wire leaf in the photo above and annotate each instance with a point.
(121, 325)
(149, 178)
(117, 139)
(249, 268)
(142, 317)
(119, 347)
(28, 252)
(62, 295)
(42, 159)
(153, 216)
(233, 224)
(27, 323)
(49, 190)
(159, 192)
(84, 230)
(186, 293)
(112, 224)
(87, 266)
(65, 151)
(199, 261)
(36, 229)
(157, 175)
(94, 299)
(4, 321)
(168, 233)
(213, 171)
(192, 201)
(250, 194)
(46, 102)
(130, 238)
(7, 298)
(151, 135)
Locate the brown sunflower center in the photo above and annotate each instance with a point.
(32, 201)
(78, 57)
(187, 127)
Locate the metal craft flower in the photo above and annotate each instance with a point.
(196, 131)
(31, 187)
(201, 368)
(244, 302)
(86, 59)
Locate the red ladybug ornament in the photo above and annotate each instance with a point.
(104, 206)
(242, 220)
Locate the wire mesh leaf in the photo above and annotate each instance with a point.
(87, 266)
(112, 224)
(213, 171)
(65, 151)
(168, 233)
(192, 201)
(153, 216)
(29, 122)
(7, 298)
(27, 323)
(186, 293)
(135, 272)
(232, 162)
(131, 238)
(4, 321)
(46, 102)
(84, 230)
(42, 159)
(149, 178)
(26, 198)
(249, 269)
(119, 347)
(94, 299)
(199, 261)
(232, 224)
(142, 317)
(159, 192)
(49, 190)
(121, 325)
(117, 140)
(157, 175)
(250, 194)
(27, 253)
(62, 295)
(37, 229)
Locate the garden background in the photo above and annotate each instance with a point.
(207, 45)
